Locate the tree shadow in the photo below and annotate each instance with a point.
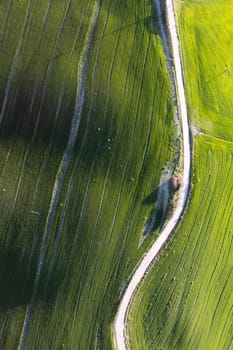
(159, 198)
(32, 109)
(41, 120)
(17, 275)
(33, 117)
(151, 198)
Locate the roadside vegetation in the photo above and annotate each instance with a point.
(91, 228)
(186, 300)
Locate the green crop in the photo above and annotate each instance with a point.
(88, 217)
(186, 300)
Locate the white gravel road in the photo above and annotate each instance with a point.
(120, 320)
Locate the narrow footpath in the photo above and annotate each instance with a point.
(121, 317)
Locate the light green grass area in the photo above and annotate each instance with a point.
(206, 30)
(186, 300)
(124, 141)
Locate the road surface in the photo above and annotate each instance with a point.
(121, 317)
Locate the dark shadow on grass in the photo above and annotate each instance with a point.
(154, 221)
(28, 110)
(17, 274)
(17, 271)
(159, 198)
(151, 198)
(31, 116)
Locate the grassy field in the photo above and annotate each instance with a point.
(87, 218)
(206, 29)
(186, 301)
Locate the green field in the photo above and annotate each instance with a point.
(84, 222)
(186, 300)
(206, 29)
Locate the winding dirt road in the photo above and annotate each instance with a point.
(121, 317)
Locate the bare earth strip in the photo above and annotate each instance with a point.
(121, 317)
(81, 78)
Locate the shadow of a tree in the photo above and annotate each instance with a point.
(17, 274)
(159, 198)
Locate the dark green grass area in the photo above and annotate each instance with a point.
(124, 141)
(206, 29)
(39, 53)
(187, 302)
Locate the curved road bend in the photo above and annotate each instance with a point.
(121, 317)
